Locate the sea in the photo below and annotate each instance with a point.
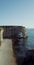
(30, 39)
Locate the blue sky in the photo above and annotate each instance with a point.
(17, 12)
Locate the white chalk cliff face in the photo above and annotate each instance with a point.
(6, 52)
(2, 34)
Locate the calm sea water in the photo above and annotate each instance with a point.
(30, 40)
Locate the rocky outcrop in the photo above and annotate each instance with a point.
(13, 31)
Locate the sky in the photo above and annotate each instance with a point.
(17, 12)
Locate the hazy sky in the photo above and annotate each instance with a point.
(17, 12)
